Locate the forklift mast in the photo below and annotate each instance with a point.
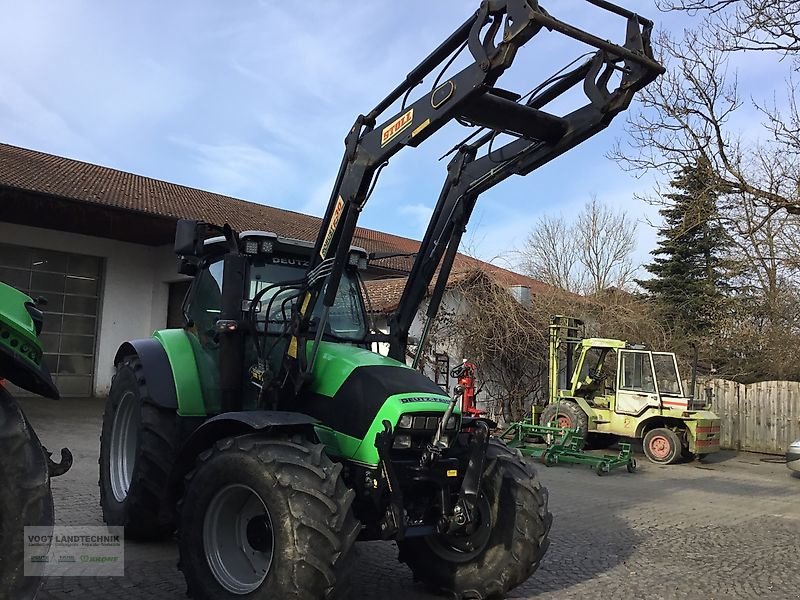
(471, 98)
(566, 333)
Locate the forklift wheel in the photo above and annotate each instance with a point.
(662, 446)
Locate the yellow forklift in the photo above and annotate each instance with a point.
(609, 389)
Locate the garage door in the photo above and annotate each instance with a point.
(71, 285)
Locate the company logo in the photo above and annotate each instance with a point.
(396, 127)
(425, 399)
(294, 262)
(337, 214)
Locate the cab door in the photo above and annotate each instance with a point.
(636, 385)
(202, 310)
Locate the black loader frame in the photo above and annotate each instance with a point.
(470, 98)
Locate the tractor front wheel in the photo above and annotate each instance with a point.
(662, 446)
(503, 548)
(266, 518)
(25, 499)
(137, 448)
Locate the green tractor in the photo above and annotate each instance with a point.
(266, 431)
(610, 389)
(25, 465)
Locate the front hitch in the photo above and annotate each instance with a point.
(393, 523)
(464, 511)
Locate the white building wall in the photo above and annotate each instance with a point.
(135, 287)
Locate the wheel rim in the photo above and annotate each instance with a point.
(659, 446)
(124, 441)
(564, 421)
(462, 547)
(238, 539)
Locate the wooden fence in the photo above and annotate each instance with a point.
(760, 417)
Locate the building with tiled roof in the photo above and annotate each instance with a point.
(98, 243)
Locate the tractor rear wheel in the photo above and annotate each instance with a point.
(266, 518)
(662, 446)
(505, 547)
(137, 449)
(25, 498)
(567, 414)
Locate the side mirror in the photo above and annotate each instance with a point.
(189, 237)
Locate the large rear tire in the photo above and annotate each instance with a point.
(267, 518)
(568, 414)
(137, 449)
(25, 497)
(507, 549)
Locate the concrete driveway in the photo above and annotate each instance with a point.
(729, 528)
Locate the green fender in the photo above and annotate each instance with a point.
(182, 361)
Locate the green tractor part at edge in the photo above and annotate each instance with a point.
(266, 431)
(610, 390)
(25, 465)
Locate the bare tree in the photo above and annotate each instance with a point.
(583, 256)
(686, 116)
(607, 240)
(740, 25)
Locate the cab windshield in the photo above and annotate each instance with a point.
(346, 318)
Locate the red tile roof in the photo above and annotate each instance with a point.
(79, 181)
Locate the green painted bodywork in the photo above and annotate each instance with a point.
(182, 360)
(334, 363)
(18, 335)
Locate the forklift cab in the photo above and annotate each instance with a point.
(629, 379)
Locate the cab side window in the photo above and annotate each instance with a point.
(636, 372)
(205, 303)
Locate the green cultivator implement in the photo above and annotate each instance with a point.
(267, 431)
(25, 465)
(561, 445)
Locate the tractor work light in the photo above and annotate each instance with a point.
(358, 259)
(251, 247)
(404, 422)
(267, 246)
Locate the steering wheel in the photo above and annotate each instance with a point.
(597, 376)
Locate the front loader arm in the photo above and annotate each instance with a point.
(469, 97)
(469, 176)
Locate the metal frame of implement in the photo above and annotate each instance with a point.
(565, 445)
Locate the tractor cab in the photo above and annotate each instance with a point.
(628, 378)
(263, 272)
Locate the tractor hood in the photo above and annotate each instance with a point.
(21, 358)
(351, 386)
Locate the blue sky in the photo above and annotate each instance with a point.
(253, 100)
